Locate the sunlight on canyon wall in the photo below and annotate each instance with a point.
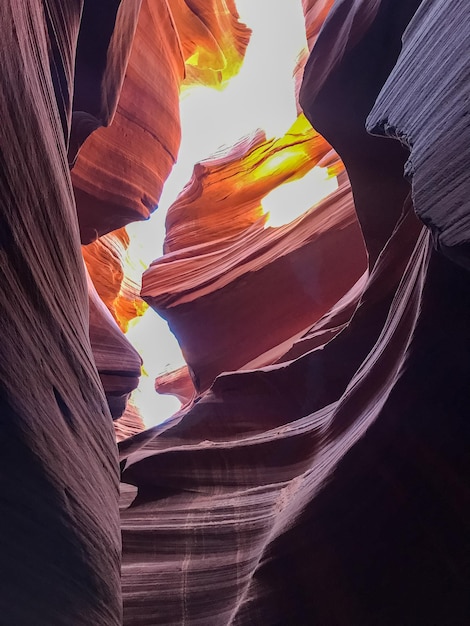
(323, 430)
(261, 96)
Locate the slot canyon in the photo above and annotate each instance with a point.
(235, 312)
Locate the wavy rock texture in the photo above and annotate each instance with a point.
(107, 262)
(315, 12)
(119, 166)
(223, 197)
(102, 53)
(230, 288)
(213, 40)
(327, 484)
(129, 424)
(331, 488)
(62, 75)
(253, 294)
(117, 361)
(59, 527)
(342, 103)
(176, 383)
(435, 52)
(119, 174)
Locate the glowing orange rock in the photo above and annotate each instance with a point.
(217, 241)
(118, 363)
(120, 171)
(135, 154)
(105, 260)
(224, 195)
(234, 298)
(213, 40)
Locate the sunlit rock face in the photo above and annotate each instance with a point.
(233, 289)
(113, 302)
(246, 297)
(224, 196)
(135, 154)
(106, 263)
(117, 361)
(213, 40)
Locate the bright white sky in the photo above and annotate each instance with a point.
(261, 96)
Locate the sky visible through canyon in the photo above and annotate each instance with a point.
(261, 96)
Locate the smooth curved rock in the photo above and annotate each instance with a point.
(223, 197)
(342, 79)
(177, 383)
(103, 47)
(136, 153)
(233, 300)
(59, 527)
(333, 487)
(327, 484)
(129, 424)
(315, 12)
(229, 449)
(117, 361)
(233, 290)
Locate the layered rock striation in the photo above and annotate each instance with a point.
(58, 471)
(68, 70)
(319, 470)
(250, 296)
(108, 264)
(431, 119)
(329, 487)
(235, 291)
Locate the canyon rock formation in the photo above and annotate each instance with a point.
(318, 472)
(59, 474)
(233, 290)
